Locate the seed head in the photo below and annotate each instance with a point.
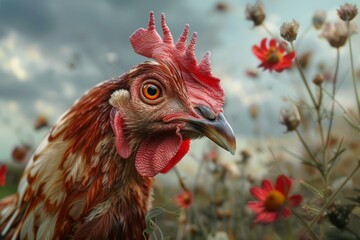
(319, 19)
(256, 13)
(318, 79)
(290, 118)
(347, 12)
(337, 33)
(289, 30)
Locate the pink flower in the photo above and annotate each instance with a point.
(273, 57)
(273, 202)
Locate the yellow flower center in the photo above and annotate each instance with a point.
(273, 56)
(274, 200)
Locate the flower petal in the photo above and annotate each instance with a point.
(267, 186)
(295, 200)
(272, 42)
(263, 44)
(289, 56)
(266, 217)
(286, 212)
(257, 207)
(281, 46)
(258, 52)
(258, 193)
(283, 184)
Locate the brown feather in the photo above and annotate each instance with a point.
(79, 180)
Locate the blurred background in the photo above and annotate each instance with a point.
(51, 52)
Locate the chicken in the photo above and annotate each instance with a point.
(92, 176)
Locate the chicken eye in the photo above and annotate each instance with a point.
(151, 91)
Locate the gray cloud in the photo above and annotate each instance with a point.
(87, 29)
(33, 18)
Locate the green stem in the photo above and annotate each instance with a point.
(312, 234)
(288, 232)
(319, 118)
(353, 68)
(306, 147)
(195, 208)
(302, 74)
(331, 112)
(333, 98)
(331, 200)
(181, 182)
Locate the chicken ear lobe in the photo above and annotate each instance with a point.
(160, 152)
(122, 142)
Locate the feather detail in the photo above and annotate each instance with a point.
(59, 190)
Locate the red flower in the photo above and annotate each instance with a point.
(274, 56)
(2, 175)
(184, 200)
(273, 202)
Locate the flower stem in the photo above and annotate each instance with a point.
(312, 234)
(283, 44)
(331, 111)
(353, 68)
(319, 118)
(306, 147)
(331, 200)
(181, 181)
(303, 77)
(317, 105)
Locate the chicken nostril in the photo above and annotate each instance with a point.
(205, 112)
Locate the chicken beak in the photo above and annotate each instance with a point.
(217, 130)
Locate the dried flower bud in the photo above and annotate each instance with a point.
(290, 118)
(222, 7)
(255, 13)
(304, 59)
(319, 19)
(347, 12)
(245, 155)
(252, 73)
(328, 191)
(318, 79)
(289, 30)
(41, 122)
(337, 33)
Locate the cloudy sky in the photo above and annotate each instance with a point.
(51, 52)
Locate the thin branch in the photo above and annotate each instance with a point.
(302, 74)
(353, 68)
(306, 147)
(312, 234)
(325, 161)
(333, 197)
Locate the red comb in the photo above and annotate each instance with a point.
(147, 42)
